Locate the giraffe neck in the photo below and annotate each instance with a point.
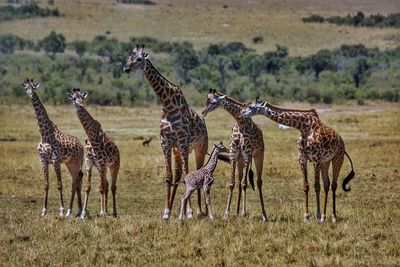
(299, 119)
(170, 95)
(46, 126)
(233, 107)
(212, 161)
(92, 127)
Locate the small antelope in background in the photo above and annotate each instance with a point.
(147, 141)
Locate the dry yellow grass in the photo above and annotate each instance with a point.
(367, 233)
(205, 22)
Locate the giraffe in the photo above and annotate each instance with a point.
(318, 143)
(56, 148)
(202, 178)
(246, 143)
(101, 152)
(181, 128)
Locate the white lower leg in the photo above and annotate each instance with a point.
(166, 214)
(61, 211)
(306, 217)
(44, 211)
(69, 213)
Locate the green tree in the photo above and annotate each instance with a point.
(360, 71)
(52, 44)
(80, 47)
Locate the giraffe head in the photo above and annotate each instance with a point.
(136, 59)
(30, 87)
(77, 97)
(221, 148)
(214, 100)
(252, 108)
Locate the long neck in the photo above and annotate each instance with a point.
(212, 161)
(170, 95)
(46, 126)
(92, 127)
(233, 107)
(299, 119)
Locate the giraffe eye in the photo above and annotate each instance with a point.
(139, 59)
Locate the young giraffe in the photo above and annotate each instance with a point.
(56, 148)
(317, 143)
(101, 151)
(202, 178)
(246, 143)
(181, 128)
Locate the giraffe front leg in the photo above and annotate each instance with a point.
(208, 203)
(102, 189)
(57, 169)
(306, 188)
(231, 187)
(168, 178)
(184, 200)
(259, 162)
(244, 187)
(325, 177)
(89, 168)
(45, 170)
(317, 188)
(200, 150)
(240, 169)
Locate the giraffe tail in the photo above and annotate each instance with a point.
(349, 176)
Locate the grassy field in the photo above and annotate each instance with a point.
(367, 233)
(205, 22)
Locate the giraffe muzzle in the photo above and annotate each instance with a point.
(127, 69)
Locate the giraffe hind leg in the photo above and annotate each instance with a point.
(114, 175)
(89, 168)
(259, 162)
(57, 169)
(337, 163)
(325, 179)
(200, 151)
(45, 171)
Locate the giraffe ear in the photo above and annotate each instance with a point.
(145, 56)
(70, 96)
(222, 97)
(84, 95)
(210, 91)
(36, 85)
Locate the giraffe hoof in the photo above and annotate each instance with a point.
(102, 214)
(79, 213)
(323, 218)
(226, 215)
(114, 215)
(264, 218)
(306, 218)
(189, 213)
(83, 215)
(61, 212)
(69, 213)
(44, 212)
(333, 219)
(243, 214)
(166, 214)
(212, 218)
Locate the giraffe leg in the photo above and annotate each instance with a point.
(337, 163)
(185, 158)
(231, 187)
(106, 193)
(208, 203)
(168, 174)
(240, 169)
(317, 188)
(177, 177)
(244, 187)
(45, 170)
(57, 169)
(114, 175)
(74, 188)
(79, 194)
(306, 188)
(200, 151)
(325, 179)
(102, 189)
(184, 200)
(259, 162)
(89, 168)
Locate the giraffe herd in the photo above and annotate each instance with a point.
(181, 131)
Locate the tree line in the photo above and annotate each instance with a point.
(350, 72)
(28, 10)
(358, 20)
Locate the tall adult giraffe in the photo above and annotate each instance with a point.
(318, 143)
(181, 128)
(246, 143)
(101, 151)
(56, 148)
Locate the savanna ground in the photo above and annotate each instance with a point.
(367, 233)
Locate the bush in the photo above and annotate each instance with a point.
(54, 43)
(9, 12)
(258, 39)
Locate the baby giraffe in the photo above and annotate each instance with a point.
(202, 178)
